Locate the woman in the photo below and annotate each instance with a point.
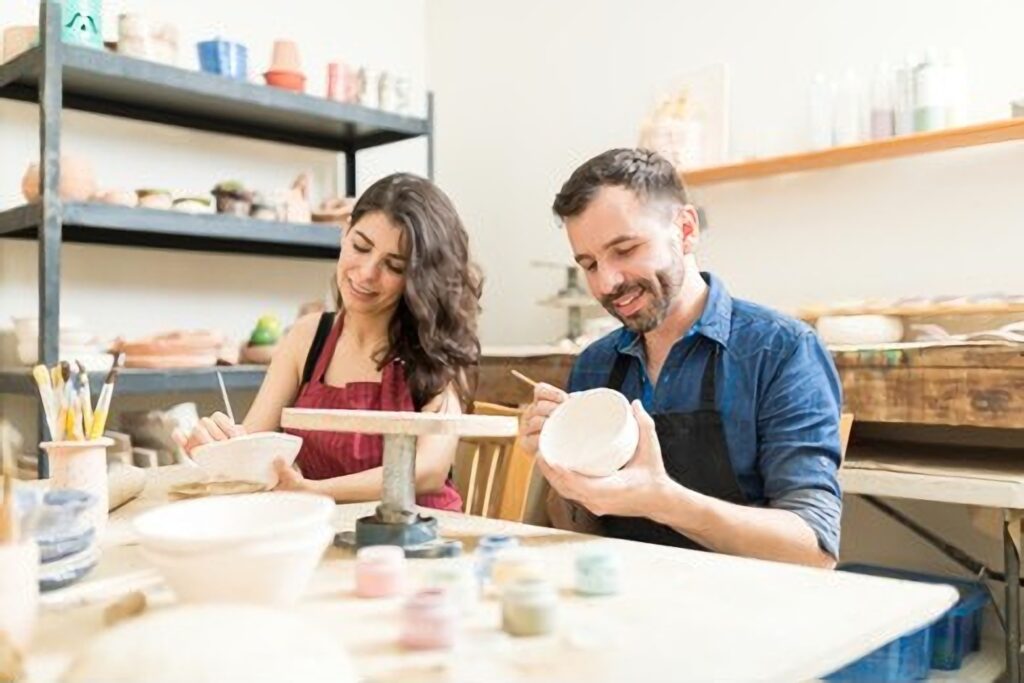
(404, 338)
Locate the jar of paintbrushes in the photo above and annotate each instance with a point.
(77, 450)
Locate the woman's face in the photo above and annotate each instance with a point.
(371, 268)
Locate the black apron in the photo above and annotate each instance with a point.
(696, 455)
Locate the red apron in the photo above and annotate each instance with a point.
(325, 455)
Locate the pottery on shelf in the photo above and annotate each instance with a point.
(224, 58)
(77, 180)
(232, 198)
(117, 197)
(17, 39)
(262, 208)
(82, 22)
(287, 80)
(285, 56)
(145, 38)
(179, 349)
(296, 205)
(860, 329)
(154, 199)
(193, 205)
(337, 210)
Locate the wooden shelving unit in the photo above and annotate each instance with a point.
(890, 148)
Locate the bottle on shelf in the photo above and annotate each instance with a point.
(930, 94)
(847, 121)
(882, 104)
(903, 104)
(822, 101)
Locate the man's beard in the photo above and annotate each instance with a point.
(662, 291)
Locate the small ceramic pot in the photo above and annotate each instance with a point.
(141, 37)
(286, 80)
(82, 465)
(82, 22)
(235, 203)
(19, 591)
(514, 564)
(380, 571)
(155, 199)
(224, 58)
(529, 607)
(77, 180)
(429, 621)
(593, 432)
(17, 39)
(486, 551)
(598, 571)
(285, 56)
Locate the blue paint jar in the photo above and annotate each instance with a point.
(598, 571)
(488, 549)
(224, 58)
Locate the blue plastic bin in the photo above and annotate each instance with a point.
(224, 58)
(943, 645)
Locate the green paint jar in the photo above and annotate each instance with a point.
(529, 607)
(82, 22)
(598, 571)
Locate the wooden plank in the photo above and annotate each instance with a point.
(978, 397)
(904, 145)
(497, 385)
(397, 422)
(987, 356)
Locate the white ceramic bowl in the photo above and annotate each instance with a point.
(860, 329)
(248, 458)
(266, 571)
(593, 432)
(218, 522)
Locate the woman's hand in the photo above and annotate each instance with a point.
(217, 427)
(291, 479)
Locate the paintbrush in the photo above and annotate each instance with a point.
(8, 523)
(224, 395)
(523, 378)
(99, 417)
(42, 378)
(85, 394)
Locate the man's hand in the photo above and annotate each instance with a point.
(545, 399)
(631, 491)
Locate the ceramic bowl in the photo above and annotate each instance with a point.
(66, 571)
(216, 523)
(57, 547)
(268, 571)
(592, 432)
(53, 515)
(289, 80)
(860, 329)
(248, 458)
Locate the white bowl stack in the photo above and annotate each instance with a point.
(256, 548)
(76, 343)
(592, 432)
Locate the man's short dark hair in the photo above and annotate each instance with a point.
(648, 174)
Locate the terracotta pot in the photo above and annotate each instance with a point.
(17, 39)
(77, 180)
(286, 56)
(288, 80)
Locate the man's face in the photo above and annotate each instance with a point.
(632, 253)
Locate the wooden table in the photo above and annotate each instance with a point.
(682, 614)
(993, 480)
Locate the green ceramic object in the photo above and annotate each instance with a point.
(83, 22)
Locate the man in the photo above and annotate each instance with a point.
(738, 405)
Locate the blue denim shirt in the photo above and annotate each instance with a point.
(777, 391)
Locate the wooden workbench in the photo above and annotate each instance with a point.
(683, 615)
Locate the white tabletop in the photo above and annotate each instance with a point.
(683, 615)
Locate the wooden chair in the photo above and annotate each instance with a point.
(845, 427)
(493, 474)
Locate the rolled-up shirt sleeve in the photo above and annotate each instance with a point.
(798, 439)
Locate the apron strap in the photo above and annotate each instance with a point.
(618, 373)
(323, 330)
(707, 383)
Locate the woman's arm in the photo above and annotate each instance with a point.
(279, 389)
(434, 456)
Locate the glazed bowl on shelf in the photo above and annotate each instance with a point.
(287, 80)
(592, 432)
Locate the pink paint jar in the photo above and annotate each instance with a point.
(429, 621)
(380, 571)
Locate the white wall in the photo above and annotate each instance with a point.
(527, 90)
(121, 291)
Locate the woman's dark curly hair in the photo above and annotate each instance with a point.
(433, 330)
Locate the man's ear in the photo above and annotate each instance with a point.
(688, 223)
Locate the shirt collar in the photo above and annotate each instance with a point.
(715, 322)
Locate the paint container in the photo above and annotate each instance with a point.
(82, 465)
(456, 578)
(529, 607)
(513, 564)
(486, 551)
(224, 58)
(598, 571)
(430, 620)
(380, 571)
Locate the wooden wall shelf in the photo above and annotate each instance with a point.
(902, 146)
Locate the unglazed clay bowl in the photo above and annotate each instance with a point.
(592, 432)
(248, 458)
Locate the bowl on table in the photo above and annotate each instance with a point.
(248, 458)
